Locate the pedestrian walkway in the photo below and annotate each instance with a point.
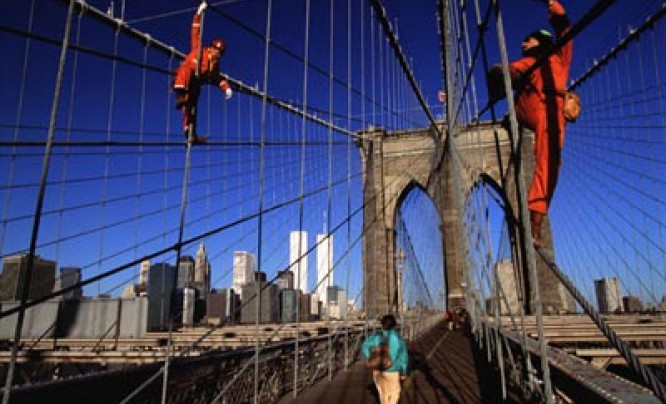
(445, 368)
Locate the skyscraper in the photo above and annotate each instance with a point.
(161, 295)
(324, 265)
(632, 304)
(268, 304)
(202, 266)
(202, 273)
(201, 283)
(244, 266)
(285, 280)
(298, 246)
(336, 305)
(144, 269)
(13, 270)
(609, 298)
(185, 272)
(70, 276)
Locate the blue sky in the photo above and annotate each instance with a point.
(141, 185)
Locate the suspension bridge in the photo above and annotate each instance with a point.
(141, 267)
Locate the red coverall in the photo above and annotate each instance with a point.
(539, 107)
(186, 85)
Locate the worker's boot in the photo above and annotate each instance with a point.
(536, 219)
(199, 139)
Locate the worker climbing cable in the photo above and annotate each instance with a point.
(201, 66)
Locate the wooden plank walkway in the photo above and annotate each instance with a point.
(444, 369)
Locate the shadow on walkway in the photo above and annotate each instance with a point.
(445, 367)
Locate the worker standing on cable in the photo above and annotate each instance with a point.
(540, 107)
(201, 66)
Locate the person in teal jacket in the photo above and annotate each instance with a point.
(388, 381)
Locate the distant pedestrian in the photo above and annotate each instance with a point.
(448, 320)
(540, 107)
(201, 66)
(387, 380)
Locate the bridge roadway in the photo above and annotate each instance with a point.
(445, 368)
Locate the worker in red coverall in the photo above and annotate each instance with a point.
(188, 81)
(540, 107)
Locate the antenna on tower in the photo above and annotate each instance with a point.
(325, 223)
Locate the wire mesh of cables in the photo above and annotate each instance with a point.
(121, 194)
(606, 216)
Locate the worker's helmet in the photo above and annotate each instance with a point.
(218, 44)
(544, 37)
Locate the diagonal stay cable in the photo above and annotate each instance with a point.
(296, 262)
(165, 250)
(130, 248)
(419, 271)
(122, 26)
(173, 170)
(595, 12)
(645, 372)
(317, 69)
(634, 35)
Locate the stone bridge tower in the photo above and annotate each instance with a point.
(395, 163)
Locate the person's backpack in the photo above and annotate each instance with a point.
(571, 106)
(379, 358)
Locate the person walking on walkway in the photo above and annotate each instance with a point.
(540, 107)
(202, 65)
(388, 380)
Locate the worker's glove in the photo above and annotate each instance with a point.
(228, 93)
(202, 7)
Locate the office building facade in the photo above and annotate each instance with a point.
(288, 305)
(285, 280)
(14, 268)
(267, 306)
(144, 270)
(243, 270)
(185, 272)
(324, 264)
(298, 260)
(224, 307)
(609, 298)
(632, 304)
(161, 295)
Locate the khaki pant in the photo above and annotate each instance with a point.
(388, 385)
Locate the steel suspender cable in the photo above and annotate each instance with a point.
(596, 11)
(169, 50)
(380, 12)
(362, 47)
(193, 111)
(261, 186)
(632, 360)
(300, 263)
(70, 116)
(38, 208)
(327, 218)
(349, 114)
(383, 87)
(372, 68)
(634, 35)
(109, 126)
(661, 107)
(17, 123)
(139, 165)
(531, 261)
